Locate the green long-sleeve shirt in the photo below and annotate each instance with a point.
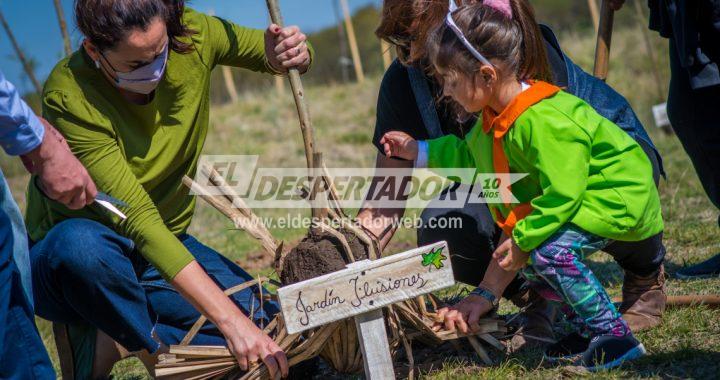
(139, 153)
(582, 169)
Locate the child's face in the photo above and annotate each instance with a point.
(469, 92)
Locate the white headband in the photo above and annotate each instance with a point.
(453, 26)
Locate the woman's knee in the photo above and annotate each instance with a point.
(78, 245)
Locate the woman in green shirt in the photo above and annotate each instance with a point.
(133, 105)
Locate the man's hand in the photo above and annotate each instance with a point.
(464, 315)
(399, 144)
(62, 177)
(510, 257)
(286, 48)
(249, 345)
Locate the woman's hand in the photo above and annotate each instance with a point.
(247, 342)
(399, 144)
(464, 315)
(249, 345)
(510, 257)
(286, 48)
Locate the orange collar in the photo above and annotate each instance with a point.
(501, 123)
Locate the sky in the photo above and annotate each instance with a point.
(35, 26)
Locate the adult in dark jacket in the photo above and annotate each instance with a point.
(693, 30)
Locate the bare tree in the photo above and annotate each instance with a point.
(26, 64)
(63, 27)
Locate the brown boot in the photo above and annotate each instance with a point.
(644, 299)
(535, 324)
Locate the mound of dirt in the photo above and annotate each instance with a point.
(319, 254)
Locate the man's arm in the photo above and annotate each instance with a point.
(43, 151)
(20, 130)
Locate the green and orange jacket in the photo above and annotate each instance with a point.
(582, 168)
(140, 153)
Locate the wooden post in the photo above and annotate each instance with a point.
(342, 42)
(353, 42)
(227, 75)
(604, 38)
(63, 27)
(361, 291)
(279, 85)
(26, 64)
(230, 84)
(651, 52)
(387, 57)
(374, 345)
(594, 13)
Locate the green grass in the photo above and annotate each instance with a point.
(686, 345)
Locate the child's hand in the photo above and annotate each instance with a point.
(400, 144)
(464, 315)
(510, 257)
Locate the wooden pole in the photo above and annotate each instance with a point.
(651, 52)
(387, 58)
(604, 39)
(353, 42)
(689, 300)
(342, 43)
(279, 85)
(63, 27)
(20, 55)
(594, 13)
(230, 84)
(374, 345)
(300, 103)
(227, 75)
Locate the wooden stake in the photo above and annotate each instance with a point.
(689, 300)
(651, 52)
(230, 84)
(279, 85)
(374, 344)
(604, 38)
(353, 42)
(594, 13)
(227, 75)
(298, 93)
(387, 57)
(63, 27)
(26, 64)
(342, 42)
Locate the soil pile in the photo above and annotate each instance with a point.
(318, 254)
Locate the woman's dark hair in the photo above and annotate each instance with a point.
(107, 22)
(516, 43)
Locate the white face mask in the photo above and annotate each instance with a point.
(142, 80)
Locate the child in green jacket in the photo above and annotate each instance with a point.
(588, 187)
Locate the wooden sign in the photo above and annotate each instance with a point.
(365, 286)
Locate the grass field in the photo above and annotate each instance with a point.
(687, 345)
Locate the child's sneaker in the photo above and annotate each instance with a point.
(567, 348)
(609, 351)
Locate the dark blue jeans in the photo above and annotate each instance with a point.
(22, 353)
(86, 273)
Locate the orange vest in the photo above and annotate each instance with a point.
(500, 124)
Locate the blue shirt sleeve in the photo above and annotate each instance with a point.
(20, 130)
